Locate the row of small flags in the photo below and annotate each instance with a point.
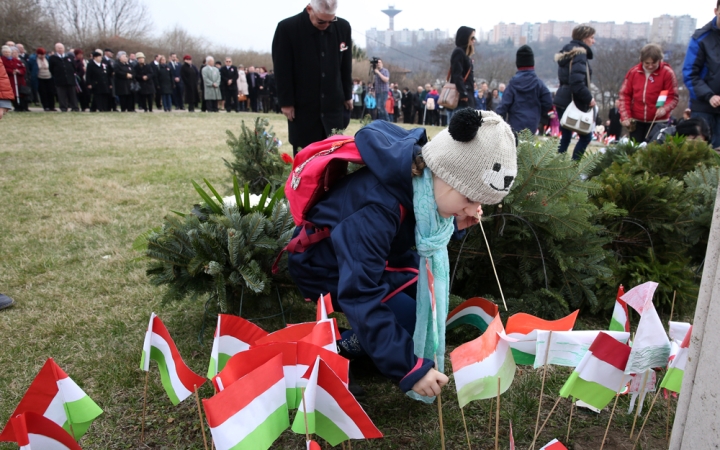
(259, 377)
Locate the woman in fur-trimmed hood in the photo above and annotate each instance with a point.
(574, 73)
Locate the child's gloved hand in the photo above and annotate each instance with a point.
(431, 383)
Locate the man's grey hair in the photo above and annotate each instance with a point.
(120, 53)
(5, 48)
(209, 57)
(324, 6)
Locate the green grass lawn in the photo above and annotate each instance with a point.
(78, 189)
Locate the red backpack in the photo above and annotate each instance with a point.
(315, 170)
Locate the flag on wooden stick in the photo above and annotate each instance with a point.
(620, 320)
(674, 376)
(36, 432)
(569, 347)
(54, 395)
(554, 445)
(232, 335)
(252, 412)
(477, 312)
(177, 378)
(523, 328)
(478, 364)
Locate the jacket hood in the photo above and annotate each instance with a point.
(525, 80)
(388, 152)
(462, 37)
(573, 49)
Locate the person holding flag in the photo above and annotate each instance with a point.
(648, 95)
(377, 239)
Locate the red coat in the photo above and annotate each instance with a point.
(10, 66)
(639, 93)
(6, 90)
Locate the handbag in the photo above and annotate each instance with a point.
(449, 95)
(574, 118)
(242, 97)
(25, 91)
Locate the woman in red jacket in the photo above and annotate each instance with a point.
(15, 68)
(7, 96)
(641, 89)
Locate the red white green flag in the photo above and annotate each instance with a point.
(54, 395)
(674, 376)
(177, 378)
(232, 335)
(325, 307)
(600, 374)
(316, 333)
(477, 312)
(523, 329)
(620, 320)
(313, 445)
(554, 445)
(478, 364)
(251, 413)
(662, 98)
(331, 410)
(36, 432)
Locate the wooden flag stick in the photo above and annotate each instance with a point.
(672, 307)
(546, 420)
(343, 445)
(462, 413)
(440, 414)
(497, 419)
(202, 422)
(637, 411)
(612, 413)
(492, 407)
(667, 419)
(657, 394)
(542, 387)
(567, 436)
(492, 262)
(307, 432)
(142, 432)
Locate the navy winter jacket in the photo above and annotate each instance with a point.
(367, 239)
(525, 101)
(701, 71)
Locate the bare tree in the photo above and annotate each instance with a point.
(495, 67)
(179, 40)
(27, 22)
(87, 21)
(612, 61)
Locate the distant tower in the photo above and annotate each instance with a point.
(391, 13)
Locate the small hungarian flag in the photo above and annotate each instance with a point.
(36, 432)
(640, 296)
(54, 395)
(232, 335)
(331, 410)
(325, 307)
(600, 374)
(662, 98)
(523, 328)
(316, 333)
(312, 445)
(177, 378)
(306, 356)
(674, 376)
(251, 413)
(477, 312)
(554, 445)
(620, 320)
(478, 364)
(567, 348)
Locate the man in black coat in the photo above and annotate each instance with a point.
(615, 128)
(156, 74)
(175, 67)
(254, 82)
(110, 64)
(62, 69)
(99, 82)
(189, 78)
(228, 85)
(312, 58)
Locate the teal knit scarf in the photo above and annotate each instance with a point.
(432, 234)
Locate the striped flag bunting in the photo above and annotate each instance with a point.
(600, 373)
(620, 319)
(36, 432)
(554, 445)
(316, 333)
(297, 358)
(674, 376)
(177, 378)
(251, 413)
(54, 395)
(232, 335)
(567, 348)
(478, 364)
(523, 329)
(662, 98)
(477, 312)
(331, 410)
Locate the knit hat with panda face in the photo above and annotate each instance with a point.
(476, 155)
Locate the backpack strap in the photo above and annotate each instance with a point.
(302, 241)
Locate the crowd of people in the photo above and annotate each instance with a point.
(129, 82)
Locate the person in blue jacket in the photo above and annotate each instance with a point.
(526, 97)
(391, 220)
(701, 73)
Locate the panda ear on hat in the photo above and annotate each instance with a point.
(464, 124)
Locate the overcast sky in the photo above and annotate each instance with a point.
(250, 24)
